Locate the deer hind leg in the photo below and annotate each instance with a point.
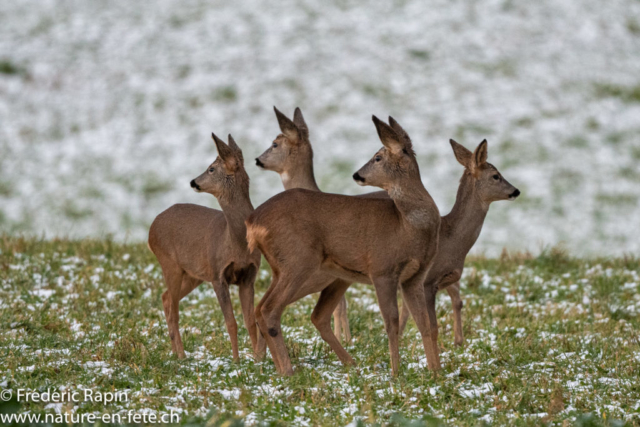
(271, 308)
(456, 302)
(386, 291)
(263, 336)
(246, 293)
(413, 295)
(331, 296)
(221, 287)
(166, 306)
(189, 283)
(269, 322)
(173, 275)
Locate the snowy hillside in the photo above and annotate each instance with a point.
(106, 107)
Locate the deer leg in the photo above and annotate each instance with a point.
(263, 337)
(430, 297)
(456, 302)
(337, 320)
(331, 296)
(346, 332)
(173, 276)
(246, 292)
(269, 322)
(174, 328)
(341, 320)
(404, 317)
(166, 306)
(387, 291)
(271, 312)
(413, 294)
(221, 288)
(189, 283)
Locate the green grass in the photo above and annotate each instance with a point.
(10, 68)
(548, 339)
(629, 94)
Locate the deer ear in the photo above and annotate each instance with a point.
(288, 128)
(224, 151)
(480, 156)
(235, 148)
(298, 120)
(401, 133)
(463, 156)
(388, 136)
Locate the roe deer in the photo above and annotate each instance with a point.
(291, 156)
(480, 185)
(311, 238)
(195, 244)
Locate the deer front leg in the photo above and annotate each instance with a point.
(221, 287)
(413, 295)
(331, 297)
(246, 293)
(456, 302)
(386, 291)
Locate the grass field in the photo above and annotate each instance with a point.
(548, 339)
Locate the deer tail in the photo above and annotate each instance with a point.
(256, 235)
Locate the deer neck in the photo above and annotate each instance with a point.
(236, 211)
(300, 176)
(467, 215)
(415, 204)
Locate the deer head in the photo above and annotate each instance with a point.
(489, 184)
(290, 148)
(225, 177)
(394, 163)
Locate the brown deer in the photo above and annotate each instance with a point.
(195, 244)
(481, 184)
(311, 238)
(291, 156)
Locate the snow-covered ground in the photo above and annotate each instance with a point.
(106, 107)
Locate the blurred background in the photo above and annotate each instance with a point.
(106, 107)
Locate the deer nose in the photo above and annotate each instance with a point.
(357, 177)
(259, 163)
(514, 194)
(194, 185)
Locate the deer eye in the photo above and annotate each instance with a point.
(275, 145)
(496, 177)
(378, 158)
(211, 170)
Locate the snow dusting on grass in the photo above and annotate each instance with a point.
(534, 349)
